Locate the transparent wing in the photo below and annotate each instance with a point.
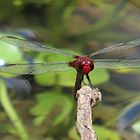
(33, 45)
(117, 47)
(35, 68)
(117, 63)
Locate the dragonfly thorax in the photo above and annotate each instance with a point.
(83, 64)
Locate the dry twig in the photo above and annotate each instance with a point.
(86, 99)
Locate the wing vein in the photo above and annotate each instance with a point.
(35, 68)
(33, 46)
(117, 63)
(117, 47)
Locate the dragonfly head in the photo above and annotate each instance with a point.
(87, 66)
(83, 64)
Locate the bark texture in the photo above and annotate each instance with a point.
(86, 99)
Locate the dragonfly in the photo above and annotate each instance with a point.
(82, 64)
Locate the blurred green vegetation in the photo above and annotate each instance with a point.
(80, 27)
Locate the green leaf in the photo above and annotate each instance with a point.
(64, 78)
(136, 127)
(11, 112)
(46, 103)
(73, 134)
(47, 79)
(67, 78)
(102, 133)
(99, 76)
(10, 53)
(106, 134)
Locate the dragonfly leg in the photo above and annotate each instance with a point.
(90, 83)
(79, 79)
(84, 82)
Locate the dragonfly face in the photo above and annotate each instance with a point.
(83, 64)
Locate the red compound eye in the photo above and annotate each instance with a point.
(86, 69)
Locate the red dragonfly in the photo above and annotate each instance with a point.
(83, 64)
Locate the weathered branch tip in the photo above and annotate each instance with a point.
(86, 99)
